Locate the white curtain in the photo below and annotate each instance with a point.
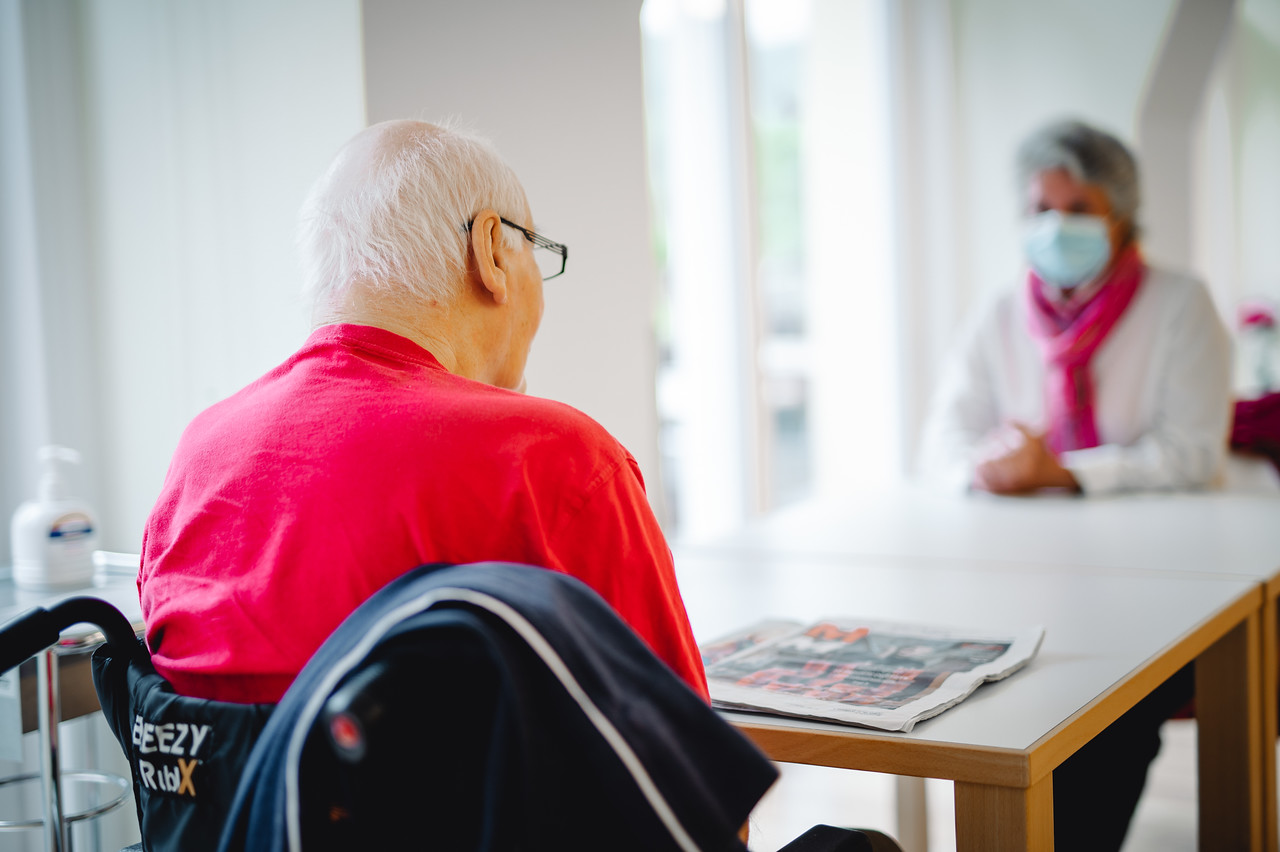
(46, 295)
(154, 156)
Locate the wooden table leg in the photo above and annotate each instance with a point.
(1229, 718)
(913, 813)
(1004, 819)
(1270, 719)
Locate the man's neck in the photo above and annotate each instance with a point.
(425, 331)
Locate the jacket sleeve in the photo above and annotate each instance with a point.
(1187, 442)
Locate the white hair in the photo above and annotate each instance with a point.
(401, 228)
(1089, 155)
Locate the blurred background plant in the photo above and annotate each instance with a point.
(1256, 324)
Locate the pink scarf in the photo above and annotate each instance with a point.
(1068, 335)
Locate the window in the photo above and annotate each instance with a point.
(770, 178)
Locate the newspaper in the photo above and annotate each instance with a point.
(877, 674)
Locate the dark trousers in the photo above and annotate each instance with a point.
(1096, 790)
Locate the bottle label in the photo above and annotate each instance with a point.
(70, 528)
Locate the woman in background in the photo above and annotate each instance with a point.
(1099, 373)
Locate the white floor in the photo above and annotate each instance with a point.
(805, 795)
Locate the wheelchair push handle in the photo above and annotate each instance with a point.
(38, 628)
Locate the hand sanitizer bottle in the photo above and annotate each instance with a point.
(53, 536)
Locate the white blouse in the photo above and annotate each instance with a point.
(1162, 391)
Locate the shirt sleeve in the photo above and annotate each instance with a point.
(615, 545)
(1187, 442)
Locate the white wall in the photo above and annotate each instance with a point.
(208, 124)
(556, 86)
(46, 307)
(1254, 65)
(21, 374)
(201, 129)
(1237, 188)
(1019, 65)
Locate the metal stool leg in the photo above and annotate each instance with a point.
(50, 713)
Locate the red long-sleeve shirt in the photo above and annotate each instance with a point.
(361, 457)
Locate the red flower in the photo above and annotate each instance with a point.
(1258, 314)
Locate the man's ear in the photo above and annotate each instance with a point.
(489, 249)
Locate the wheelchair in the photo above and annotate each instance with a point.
(490, 707)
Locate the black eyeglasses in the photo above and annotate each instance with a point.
(551, 262)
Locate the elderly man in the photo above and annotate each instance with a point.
(397, 435)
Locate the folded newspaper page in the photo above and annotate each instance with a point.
(877, 674)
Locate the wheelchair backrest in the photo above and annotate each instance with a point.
(500, 707)
(186, 755)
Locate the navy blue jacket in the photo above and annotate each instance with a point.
(524, 715)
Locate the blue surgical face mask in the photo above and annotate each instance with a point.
(1067, 250)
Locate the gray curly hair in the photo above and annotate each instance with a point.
(1087, 154)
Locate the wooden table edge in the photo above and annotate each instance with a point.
(828, 745)
(1047, 753)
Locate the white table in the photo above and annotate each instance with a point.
(65, 691)
(1214, 532)
(1210, 531)
(1112, 635)
(77, 693)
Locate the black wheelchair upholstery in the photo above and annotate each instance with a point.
(531, 717)
(186, 755)
(475, 707)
